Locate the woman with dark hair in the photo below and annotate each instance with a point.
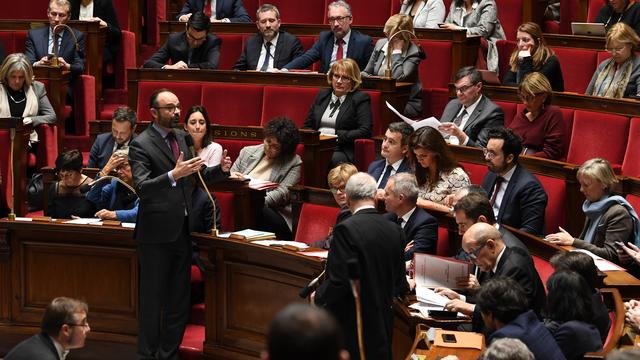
(198, 125)
(66, 198)
(568, 314)
(436, 168)
(532, 54)
(274, 160)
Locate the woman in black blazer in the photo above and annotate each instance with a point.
(343, 110)
(104, 12)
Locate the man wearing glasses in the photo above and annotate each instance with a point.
(64, 327)
(193, 48)
(341, 42)
(470, 115)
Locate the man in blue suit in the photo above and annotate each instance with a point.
(394, 149)
(340, 42)
(217, 10)
(123, 127)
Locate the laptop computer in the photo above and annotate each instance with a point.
(489, 77)
(588, 29)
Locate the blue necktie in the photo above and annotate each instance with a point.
(385, 176)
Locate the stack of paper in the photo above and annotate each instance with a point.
(601, 263)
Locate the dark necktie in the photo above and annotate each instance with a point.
(265, 64)
(458, 120)
(399, 221)
(334, 106)
(499, 181)
(171, 138)
(207, 8)
(340, 52)
(385, 176)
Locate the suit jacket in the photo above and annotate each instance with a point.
(102, 149)
(360, 49)
(615, 225)
(485, 116)
(176, 48)
(39, 346)
(378, 246)
(44, 111)
(377, 167)
(354, 120)
(285, 171)
(162, 209)
(288, 48)
(37, 46)
(105, 11)
(523, 203)
(230, 9)
(511, 240)
(422, 229)
(575, 338)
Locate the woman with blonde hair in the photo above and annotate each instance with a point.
(618, 76)
(532, 54)
(540, 125)
(342, 110)
(401, 56)
(424, 13)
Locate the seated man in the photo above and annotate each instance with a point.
(193, 48)
(123, 127)
(115, 200)
(64, 327)
(470, 115)
(394, 149)
(517, 196)
(340, 42)
(270, 48)
(420, 228)
(216, 10)
(506, 314)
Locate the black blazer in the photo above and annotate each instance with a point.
(354, 120)
(485, 116)
(378, 245)
(524, 201)
(551, 70)
(176, 48)
(422, 229)
(231, 9)
(37, 46)
(105, 11)
(288, 48)
(101, 150)
(39, 346)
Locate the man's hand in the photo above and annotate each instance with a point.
(453, 130)
(43, 62)
(447, 292)
(114, 162)
(380, 194)
(105, 214)
(184, 18)
(237, 175)
(633, 318)
(468, 282)
(460, 306)
(225, 162)
(450, 26)
(560, 238)
(64, 64)
(409, 246)
(180, 65)
(186, 168)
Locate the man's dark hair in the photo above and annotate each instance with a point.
(579, 262)
(568, 297)
(199, 21)
(476, 189)
(153, 100)
(69, 160)
(285, 131)
(59, 312)
(470, 71)
(512, 142)
(503, 298)
(300, 331)
(124, 113)
(473, 205)
(403, 128)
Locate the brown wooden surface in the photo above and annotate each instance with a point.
(576, 41)
(18, 175)
(57, 93)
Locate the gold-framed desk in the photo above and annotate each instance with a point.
(57, 93)
(42, 260)
(17, 175)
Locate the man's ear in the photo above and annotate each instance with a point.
(510, 158)
(405, 150)
(482, 219)
(154, 112)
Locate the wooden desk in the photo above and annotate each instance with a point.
(17, 177)
(576, 41)
(58, 81)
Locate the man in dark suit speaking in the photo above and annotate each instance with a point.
(378, 247)
(270, 48)
(162, 166)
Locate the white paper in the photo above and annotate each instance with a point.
(424, 309)
(82, 221)
(224, 235)
(297, 244)
(435, 271)
(430, 121)
(601, 263)
(128, 225)
(429, 297)
(321, 254)
(23, 219)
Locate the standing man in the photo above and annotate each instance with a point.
(216, 10)
(341, 42)
(162, 164)
(193, 48)
(470, 115)
(394, 149)
(270, 48)
(377, 246)
(123, 127)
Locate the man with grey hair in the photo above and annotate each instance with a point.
(377, 247)
(341, 42)
(420, 228)
(270, 48)
(508, 349)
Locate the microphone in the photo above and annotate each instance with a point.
(86, 187)
(387, 70)
(189, 140)
(311, 286)
(54, 60)
(353, 268)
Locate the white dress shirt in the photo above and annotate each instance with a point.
(394, 170)
(501, 191)
(327, 122)
(86, 12)
(345, 47)
(263, 53)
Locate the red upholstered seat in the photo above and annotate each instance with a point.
(189, 94)
(127, 58)
(435, 70)
(192, 342)
(227, 218)
(598, 135)
(122, 13)
(230, 50)
(442, 248)
(84, 103)
(594, 9)
(47, 149)
(307, 41)
(434, 101)
(222, 101)
(315, 221)
(631, 162)
(634, 200)
(276, 101)
(544, 268)
(251, 6)
(510, 16)
(13, 41)
(233, 146)
(375, 104)
(555, 213)
(509, 109)
(577, 66)
(25, 10)
(476, 172)
(299, 12)
(367, 12)
(5, 146)
(505, 48)
(364, 153)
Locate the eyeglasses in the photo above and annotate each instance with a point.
(488, 154)
(616, 50)
(343, 78)
(84, 324)
(473, 255)
(335, 190)
(171, 108)
(464, 88)
(339, 19)
(528, 97)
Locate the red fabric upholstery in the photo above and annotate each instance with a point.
(602, 56)
(276, 101)
(13, 41)
(47, 149)
(126, 59)
(551, 27)
(594, 9)
(634, 200)
(251, 6)
(442, 248)
(84, 103)
(122, 13)
(367, 12)
(569, 11)
(434, 101)
(578, 66)
(364, 153)
(32, 9)
(197, 314)
(5, 146)
(299, 12)
(233, 146)
(227, 218)
(188, 93)
(315, 221)
(435, 70)
(230, 50)
(375, 104)
(192, 342)
(505, 48)
(307, 41)
(555, 213)
(510, 16)
(222, 102)
(509, 110)
(156, 12)
(476, 172)
(544, 268)
(631, 162)
(592, 137)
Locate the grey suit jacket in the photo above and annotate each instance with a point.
(615, 225)
(285, 171)
(39, 346)
(485, 116)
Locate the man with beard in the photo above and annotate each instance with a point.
(517, 197)
(162, 166)
(271, 48)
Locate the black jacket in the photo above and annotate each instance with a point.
(288, 48)
(176, 48)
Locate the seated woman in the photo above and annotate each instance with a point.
(115, 200)
(197, 124)
(540, 125)
(436, 168)
(67, 196)
(568, 314)
(424, 13)
(532, 54)
(479, 17)
(609, 217)
(343, 110)
(403, 62)
(619, 75)
(102, 11)
(617, 11)
(274, 160)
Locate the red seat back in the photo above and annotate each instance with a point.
(434, 101)
(592, 137)
(227, 217)
(634, 200)
(252, 6)
(594, 9)
(509, 109)
(368, 12)
(276, 101)
(505, 48)
(315, 222)
(364, 153)
(544, 269)
(578, 65)
(126, 59)
(222, 101)
(33, 9)
(307, 41)
(631, 162)
(5, 185)
(189, 94)
(122, 13)
(375, 105)
(300, 12)
(442, 248)
(233, 146)
(476, 172)
(510, 16)
(555, 212)
(435, 70)
(569, 12)
(230, 50)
